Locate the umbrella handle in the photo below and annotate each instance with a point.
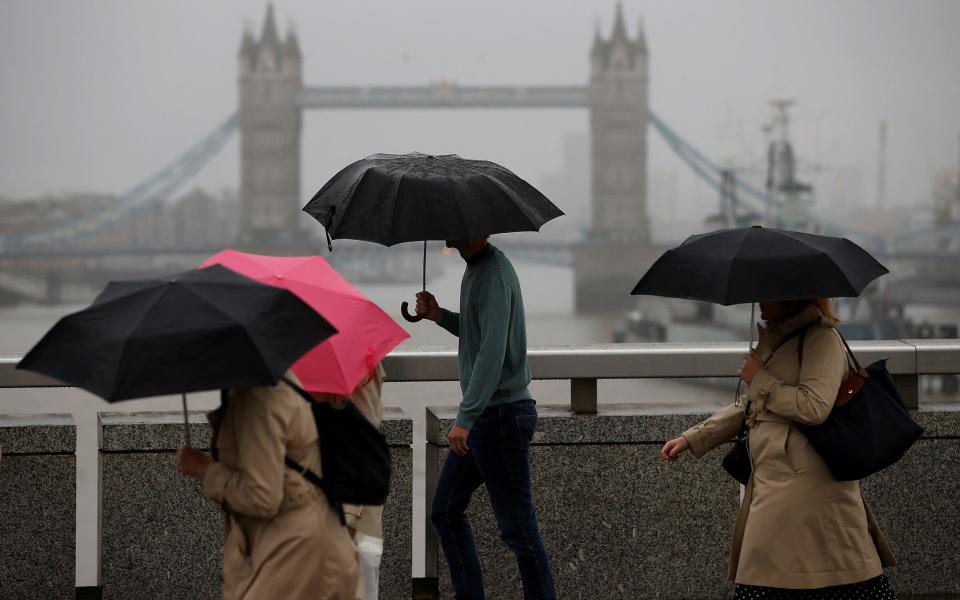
(404, 305)
(406, 314)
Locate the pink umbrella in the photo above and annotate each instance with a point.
(366, 333)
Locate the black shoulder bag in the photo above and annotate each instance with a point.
(869, 428)
(737, 460)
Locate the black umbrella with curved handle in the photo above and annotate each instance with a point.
(394, 198)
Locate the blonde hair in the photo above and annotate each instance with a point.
(826, 308)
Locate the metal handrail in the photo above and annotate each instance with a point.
(584, 365)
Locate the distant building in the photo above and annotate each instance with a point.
(34, 214)
(618, 247)
(271, 77)
(196, 219)
(619, 101)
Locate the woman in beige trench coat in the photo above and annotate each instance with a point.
(799, 532)
(282, 537)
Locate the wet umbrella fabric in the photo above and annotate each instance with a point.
(755, 264)
(394, 198)
(199, 330)
(365, 333)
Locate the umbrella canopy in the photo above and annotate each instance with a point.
(199, 330)
(365, 333)
(755, 264)
(394, 198)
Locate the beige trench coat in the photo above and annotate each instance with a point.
(368, 519)
(282, 538)
(798, 527)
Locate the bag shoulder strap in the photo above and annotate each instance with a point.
(304, 471)
(852, 363)
(296, 388)
(851, 357)
(802, 332)
(784, 340)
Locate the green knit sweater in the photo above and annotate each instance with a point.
(492, 350)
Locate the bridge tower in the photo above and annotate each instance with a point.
(618, 124)
(618, 248)
(270, 80)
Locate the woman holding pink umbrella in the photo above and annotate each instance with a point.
(347, 368)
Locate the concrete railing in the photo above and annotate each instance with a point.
(617, 521)
(584, 365)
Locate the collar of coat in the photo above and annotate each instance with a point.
(768, 338)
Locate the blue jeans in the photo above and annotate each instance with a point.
(499, 443)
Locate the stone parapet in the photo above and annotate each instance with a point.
(38, 506)
(917, 503)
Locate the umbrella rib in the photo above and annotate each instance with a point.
(460, 215)
(121, 361)
(243, 327)
(127, 296)
(393, 207)
(839, 269)
(508, 193)
(348, 202)
(340, 371)
(726, 285)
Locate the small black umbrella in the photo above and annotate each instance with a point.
(199, 330)
(394, 198)
(755, 264)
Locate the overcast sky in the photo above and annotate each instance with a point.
(98, 94)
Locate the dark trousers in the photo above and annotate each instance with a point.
(499, 443)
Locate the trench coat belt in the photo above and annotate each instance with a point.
(302, 498)
(768, 417)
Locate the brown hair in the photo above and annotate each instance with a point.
(826, 308)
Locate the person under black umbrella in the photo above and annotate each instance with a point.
(215, 329)
(390, 199)
(800, 532)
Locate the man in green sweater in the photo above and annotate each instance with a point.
(489, 444)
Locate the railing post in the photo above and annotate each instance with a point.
(583, 396)
(908, 384)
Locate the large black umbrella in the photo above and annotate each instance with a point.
(755, 264)
(394, 198)
(199, 330)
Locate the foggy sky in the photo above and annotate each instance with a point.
(99, 94)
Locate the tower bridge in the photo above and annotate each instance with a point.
(273, 96)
